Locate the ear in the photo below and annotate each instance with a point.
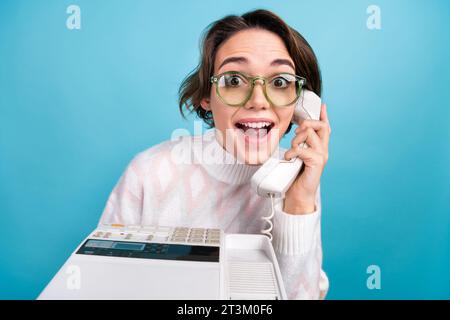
(205, 104)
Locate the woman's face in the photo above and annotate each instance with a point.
(254, 52)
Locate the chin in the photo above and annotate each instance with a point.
(255, 154)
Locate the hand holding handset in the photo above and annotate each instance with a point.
(275, 176)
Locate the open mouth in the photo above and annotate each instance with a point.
(255, 129)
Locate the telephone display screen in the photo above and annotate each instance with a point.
(162, 251)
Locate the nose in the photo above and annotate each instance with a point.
(258, 100)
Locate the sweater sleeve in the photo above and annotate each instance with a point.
(297, 243)
(125, 202)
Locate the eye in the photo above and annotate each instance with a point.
(233, 80)
(280, 82)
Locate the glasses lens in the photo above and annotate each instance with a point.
(283, 89)
(233, 88)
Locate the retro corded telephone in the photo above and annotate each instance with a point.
(275, 176)
(118, 261)
(157, 262)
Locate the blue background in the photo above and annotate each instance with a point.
(77, 105)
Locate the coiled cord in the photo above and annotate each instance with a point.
(268, 219)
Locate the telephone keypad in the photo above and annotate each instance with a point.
(159, 234)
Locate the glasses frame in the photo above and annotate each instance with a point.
(252, 81)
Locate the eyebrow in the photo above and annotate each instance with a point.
(276, 62)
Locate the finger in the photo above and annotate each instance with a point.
(324, 115)
(322, 128)
(310, 137)
(309, 156)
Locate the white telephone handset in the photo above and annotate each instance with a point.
(275, 176)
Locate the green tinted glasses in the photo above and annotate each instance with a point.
(235, 88)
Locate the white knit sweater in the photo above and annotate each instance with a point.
(175, 183)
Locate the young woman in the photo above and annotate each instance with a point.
(251, 71)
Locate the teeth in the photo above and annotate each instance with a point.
(255, 125)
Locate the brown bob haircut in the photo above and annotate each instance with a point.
(197, 85)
